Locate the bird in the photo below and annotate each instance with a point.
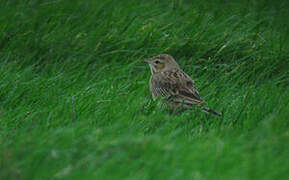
(173, 86)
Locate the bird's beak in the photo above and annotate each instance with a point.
(147, 60)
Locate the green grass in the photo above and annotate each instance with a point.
(75, 101)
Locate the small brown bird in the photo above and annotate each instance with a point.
(173, 85)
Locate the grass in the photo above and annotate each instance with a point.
(75, 101)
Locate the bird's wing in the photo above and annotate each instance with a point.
(175, 85)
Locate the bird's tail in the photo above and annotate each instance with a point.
(210, 111)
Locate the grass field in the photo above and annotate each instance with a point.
(75, 100)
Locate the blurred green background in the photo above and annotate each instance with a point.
(75, 100)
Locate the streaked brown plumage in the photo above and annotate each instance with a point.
(172, 84)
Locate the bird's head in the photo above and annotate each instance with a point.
(161, 63)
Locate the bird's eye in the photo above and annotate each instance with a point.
(157, 62)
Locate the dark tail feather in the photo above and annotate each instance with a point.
(208, 110)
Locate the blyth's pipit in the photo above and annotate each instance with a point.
(173, 85)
